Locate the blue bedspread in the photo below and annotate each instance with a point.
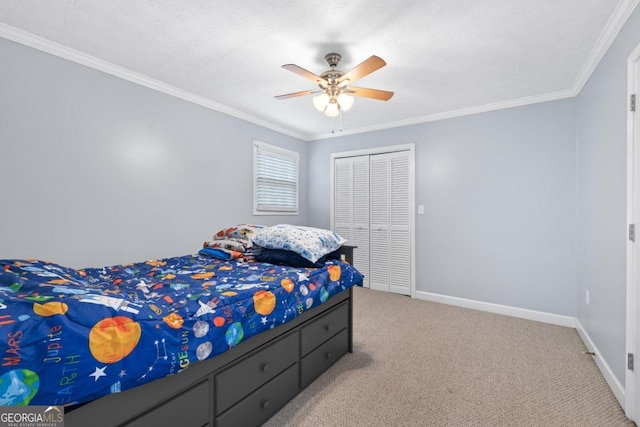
(70, 336)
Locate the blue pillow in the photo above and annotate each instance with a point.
(289, 258)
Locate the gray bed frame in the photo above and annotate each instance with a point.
(244, 386)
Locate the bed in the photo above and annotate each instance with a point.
(190, 340)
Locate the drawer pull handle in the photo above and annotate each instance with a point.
(264, 404)
(327, 355)
(327, 328)
(264, 367)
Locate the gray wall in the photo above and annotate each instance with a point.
(96, 170)
(499, 196)
(601, 199)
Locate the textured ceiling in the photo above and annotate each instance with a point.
(444, 58)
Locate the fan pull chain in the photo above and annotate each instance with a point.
(333, 121)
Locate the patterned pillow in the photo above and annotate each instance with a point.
(308, 242)
(236, 238)
(238, 245)
(241, 231)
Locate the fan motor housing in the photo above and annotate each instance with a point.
(333, 59)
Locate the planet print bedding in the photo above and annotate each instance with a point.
(71, 336)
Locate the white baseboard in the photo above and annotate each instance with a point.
(523, 313)
(614, 384)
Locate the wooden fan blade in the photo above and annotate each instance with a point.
(365, 68)
(304, 73)
(296, 94)
(382, 95)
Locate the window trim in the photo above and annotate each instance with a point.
(293, 155)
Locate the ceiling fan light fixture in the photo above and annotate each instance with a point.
(345, 101)
(335, 94)
(333, 109)
(321, 101)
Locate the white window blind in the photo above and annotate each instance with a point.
(275, 172)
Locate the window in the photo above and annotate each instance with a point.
(275, 175)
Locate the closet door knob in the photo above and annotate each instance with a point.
(327, 355)
(327, 328)
(264, 367)
(264, 404)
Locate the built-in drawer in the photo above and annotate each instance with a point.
(234, 383)
(260, 405)
(320, 359)
(188, 409)
(320, 330)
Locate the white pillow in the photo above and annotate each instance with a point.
(308, 242)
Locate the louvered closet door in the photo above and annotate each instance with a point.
(399, 224)
(379, 190)
(360, 209)
(371, 210)
(351, 208)
(342, 198)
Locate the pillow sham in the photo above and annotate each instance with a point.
(308, 242)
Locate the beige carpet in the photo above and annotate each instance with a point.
(417, 363)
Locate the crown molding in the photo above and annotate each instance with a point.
(607, 36)
(528, 100)
(44, 45)
(611, 30)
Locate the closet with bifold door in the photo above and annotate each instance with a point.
(372, 209)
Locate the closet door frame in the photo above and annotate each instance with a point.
(412, 194)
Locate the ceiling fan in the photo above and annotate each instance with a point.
(335, 86)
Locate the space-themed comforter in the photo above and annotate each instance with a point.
(70, 336)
